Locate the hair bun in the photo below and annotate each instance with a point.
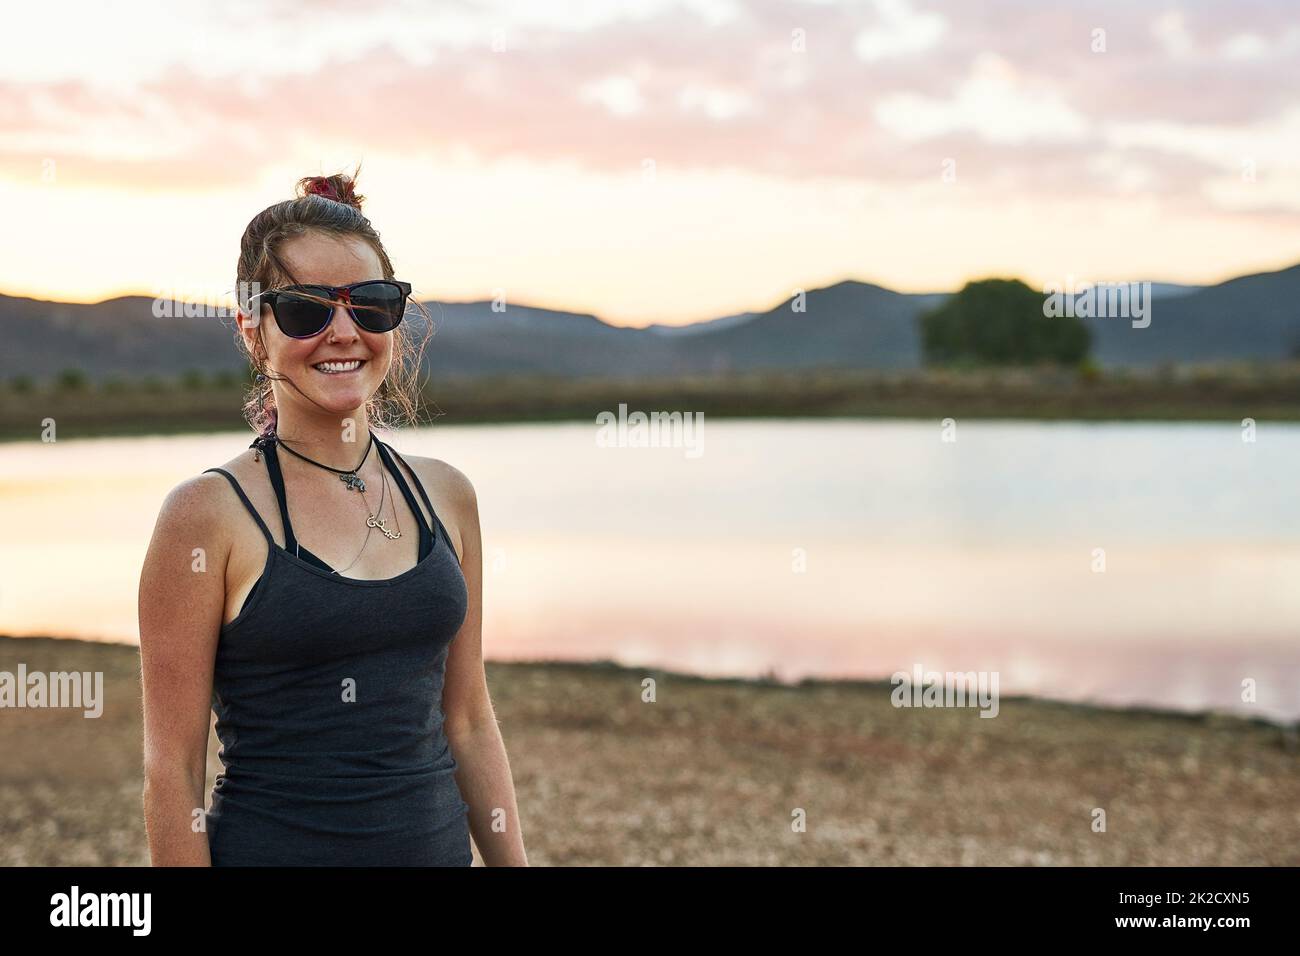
(339, 187)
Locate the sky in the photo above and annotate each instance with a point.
(651, 160)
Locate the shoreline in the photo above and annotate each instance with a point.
(15, 435)
(1228, 394)
(881, 685)
(711, 772)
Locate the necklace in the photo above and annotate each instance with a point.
(353, 481)
(380, 523)
(348, 476)
(369, 526)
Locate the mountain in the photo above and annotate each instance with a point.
(115, 337)
(470, 340)
(1251, 317)
(1171, 290)
(695, 328)
(846, 325)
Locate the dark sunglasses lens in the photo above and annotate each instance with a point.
(301, 318)
(379, 306)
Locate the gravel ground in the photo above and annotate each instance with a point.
(742, 773)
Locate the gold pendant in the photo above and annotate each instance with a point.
(374, 522)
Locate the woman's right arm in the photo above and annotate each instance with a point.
(182, 600)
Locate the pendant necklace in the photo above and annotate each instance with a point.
(348, 476)
(352, 480)
(369, 527)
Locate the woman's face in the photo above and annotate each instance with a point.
(318, 259)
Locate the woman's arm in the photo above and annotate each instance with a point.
(483, 773)
(182, 600)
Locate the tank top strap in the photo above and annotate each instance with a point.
(277, 482)
(247, 504)
(427, 534)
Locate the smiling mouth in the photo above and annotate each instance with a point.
(339, 368)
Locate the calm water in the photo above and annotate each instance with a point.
(837, 548)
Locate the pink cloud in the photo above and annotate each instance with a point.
(529, 101)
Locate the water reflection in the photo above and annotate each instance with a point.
(836, 548)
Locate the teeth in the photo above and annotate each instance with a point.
(338, 366)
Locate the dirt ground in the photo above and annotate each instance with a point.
(724, 772)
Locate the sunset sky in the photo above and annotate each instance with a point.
(655, 161)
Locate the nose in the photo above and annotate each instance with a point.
(342, 326)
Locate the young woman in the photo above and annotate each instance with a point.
(321, 593)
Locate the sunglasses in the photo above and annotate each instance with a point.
(304, 311)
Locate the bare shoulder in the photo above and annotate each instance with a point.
(194, 514)
(196, 501)
(452, 484)
(206, 501)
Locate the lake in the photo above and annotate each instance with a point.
(1151, 564)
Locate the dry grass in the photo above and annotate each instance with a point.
(1217, 393)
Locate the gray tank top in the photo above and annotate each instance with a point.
(328, 697)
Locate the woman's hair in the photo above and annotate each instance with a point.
(327, 205)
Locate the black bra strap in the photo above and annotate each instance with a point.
(419, 486)
(277, 482)
(426, 532)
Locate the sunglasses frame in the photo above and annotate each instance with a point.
(341, 293)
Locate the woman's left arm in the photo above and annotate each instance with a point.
(483, 771)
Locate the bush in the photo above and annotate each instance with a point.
(1001, 322)
(71, 380)
(192, 379)
(21, 384)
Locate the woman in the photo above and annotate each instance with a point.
(347, 680)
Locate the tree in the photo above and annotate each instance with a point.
(1001, 322)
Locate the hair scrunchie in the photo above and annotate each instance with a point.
(342, 191)
(321, 187)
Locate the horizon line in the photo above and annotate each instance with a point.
(744, 311)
